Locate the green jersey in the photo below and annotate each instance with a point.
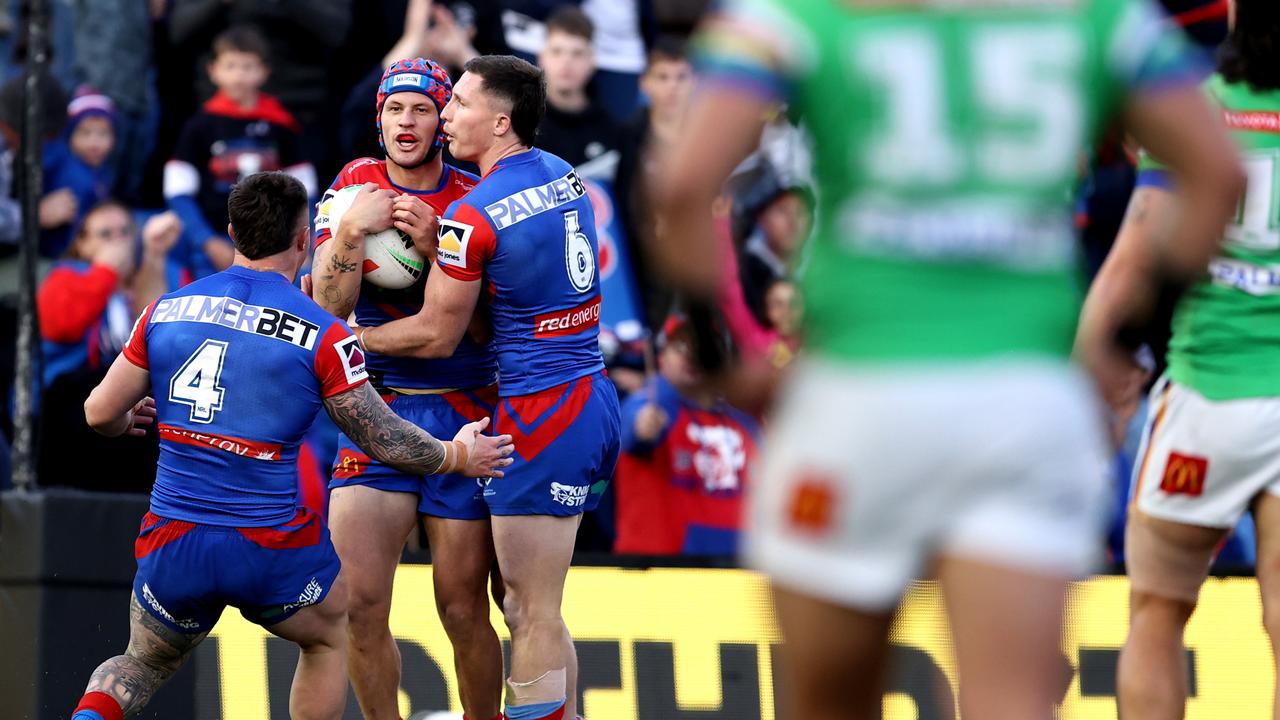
(948, 136)
(1226, 330)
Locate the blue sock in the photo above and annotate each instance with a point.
(87, 715)
(553, 710)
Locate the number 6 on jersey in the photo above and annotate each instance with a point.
(579, 260)
(196, 383)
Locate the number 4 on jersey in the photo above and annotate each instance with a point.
(196, 383)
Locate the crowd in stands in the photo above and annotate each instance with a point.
(153, 109)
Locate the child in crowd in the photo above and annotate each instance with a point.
(783, 217)
(76, 173)
(686, 460)
(238, 132)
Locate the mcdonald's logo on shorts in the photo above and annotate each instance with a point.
(349, 464)
(811, 508)
(1184, 475)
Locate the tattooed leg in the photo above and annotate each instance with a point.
(154, 654)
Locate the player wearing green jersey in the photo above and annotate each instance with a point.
(1212, 442)
(936, 424)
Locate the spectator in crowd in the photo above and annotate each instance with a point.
(76, 174)
(88, 301)
(302, 37)
(576, 128)
(113, 54)
(762, 347)
(782, 310)
(53, 116)
(523, 24)
(782, 220)
(686, 460)
(431, 31)
(667, 82)
(624, 29)
(86, 307)
(240, 131)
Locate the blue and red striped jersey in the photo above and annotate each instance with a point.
(472, 365)
(529, 231)
(240, 363)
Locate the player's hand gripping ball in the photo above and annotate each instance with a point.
(390, 258)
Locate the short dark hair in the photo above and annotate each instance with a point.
(668, 48)
(518, 82)
(571, 21)
(266, 210)
(240, 38)
(1249, 53)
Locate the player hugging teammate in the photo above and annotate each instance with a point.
(527, 232)
(232, 369)
(374, 506)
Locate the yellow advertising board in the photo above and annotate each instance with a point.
(683, 644)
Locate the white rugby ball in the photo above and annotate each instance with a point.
(390, 259)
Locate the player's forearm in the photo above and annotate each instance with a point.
(385, 436)
(721, 128)
(413, 336)
(683, 243)
(102, 412)
(105, 424)
(1206, 201)
(336, 273)
(1117, 293)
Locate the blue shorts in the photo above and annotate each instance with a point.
(187, 573)
(567, 440)
(447, 496)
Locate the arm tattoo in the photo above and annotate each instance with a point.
(371, 425)
(154, 654)
(349, 245)
(341, 265)
(332, 295)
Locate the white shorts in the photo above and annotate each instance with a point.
(1202, 462)
(869, 474)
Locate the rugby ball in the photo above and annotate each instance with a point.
(390, 259)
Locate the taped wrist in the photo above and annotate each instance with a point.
(455, 457)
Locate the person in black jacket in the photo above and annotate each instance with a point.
(576, 128)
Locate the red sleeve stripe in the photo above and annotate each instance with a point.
(135, 348)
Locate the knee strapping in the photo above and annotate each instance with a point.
(1160, 568)
(547, 687)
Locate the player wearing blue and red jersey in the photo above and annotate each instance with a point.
(374, 507)
(238, 365)
(526, 232)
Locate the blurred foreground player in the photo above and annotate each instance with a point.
(240, 363)
(937, 426)
(527, 233)
(1212, 444)
(374, 506)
